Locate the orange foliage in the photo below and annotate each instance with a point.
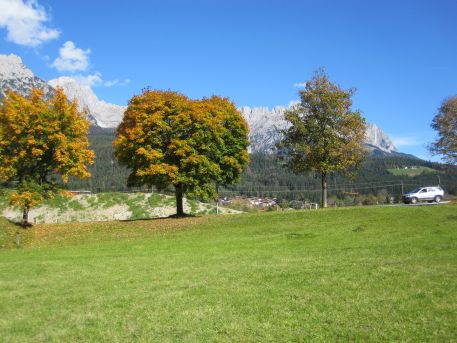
(167, 139)
(40, 137)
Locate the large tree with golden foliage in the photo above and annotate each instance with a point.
(325, 135)
(167, 139)
(445, 123)
(40, 138)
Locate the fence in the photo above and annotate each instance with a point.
(339, 191)
(346, 194)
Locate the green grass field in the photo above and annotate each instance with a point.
(355, 274)
(411, 172)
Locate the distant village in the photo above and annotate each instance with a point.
(265, 203)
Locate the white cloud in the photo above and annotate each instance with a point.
(94, 80)
(111, 83)
(293, 103)
(406, 141)
(71, 58)
(116, 82)
(89, 80)
(300, 84)
(25, 22)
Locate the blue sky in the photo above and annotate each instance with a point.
(400, 55)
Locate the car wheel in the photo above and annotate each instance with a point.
(438, 198)
(413, 201)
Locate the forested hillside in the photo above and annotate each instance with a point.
(267, 176)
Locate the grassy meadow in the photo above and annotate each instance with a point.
(412, 171)
(353, 274)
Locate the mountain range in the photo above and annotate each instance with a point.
(265, 130)
(16, 76)
(103, 114)
(265, 125)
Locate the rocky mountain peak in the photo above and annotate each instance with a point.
(377, 139)
(265, 125)
(11, 67)
(265, 130)
(16, 76)
(103, 114)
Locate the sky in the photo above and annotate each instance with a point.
(401, 55)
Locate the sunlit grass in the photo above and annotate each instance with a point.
(412, 171)
(356, 274)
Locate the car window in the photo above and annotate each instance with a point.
(424, 190)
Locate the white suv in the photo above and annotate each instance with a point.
(424, 194)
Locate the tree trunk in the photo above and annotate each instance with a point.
(179, 202)
(217, 198)
(25, 217)
(324, 189)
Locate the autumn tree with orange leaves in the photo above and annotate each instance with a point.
(39, 139)
(167, 139)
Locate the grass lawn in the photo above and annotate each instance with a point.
(411, 172)
(356, 274)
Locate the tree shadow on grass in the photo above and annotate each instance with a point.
(19, 225)
(173, 216)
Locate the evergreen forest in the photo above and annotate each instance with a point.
(267, 176)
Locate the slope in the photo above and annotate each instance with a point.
(370, 274)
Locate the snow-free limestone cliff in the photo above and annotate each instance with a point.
(265, 125)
